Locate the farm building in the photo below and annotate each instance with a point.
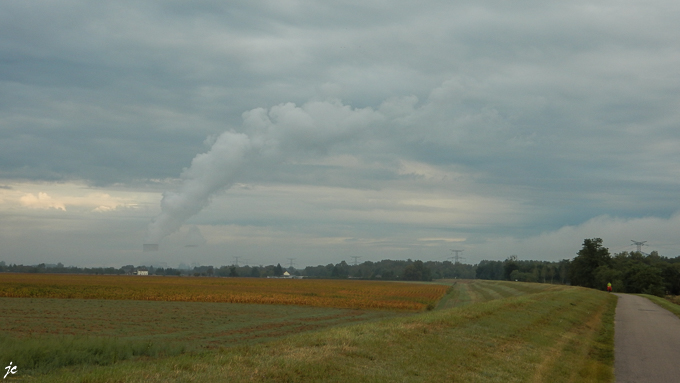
(287, 275)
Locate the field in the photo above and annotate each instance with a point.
(480, 331)
(194, 325)
(305, 292)
(465, 292)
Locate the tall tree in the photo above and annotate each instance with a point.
(590, 257)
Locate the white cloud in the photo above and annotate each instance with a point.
(42, 201)
(71, 197)
(617, 235)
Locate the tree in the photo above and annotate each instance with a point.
(417, 272)
(492, 270)
(411, 273)
(278, 271)
(509, 266)
(590, 257)
(645, 279)
(671, 276)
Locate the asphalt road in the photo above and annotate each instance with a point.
(646, 342)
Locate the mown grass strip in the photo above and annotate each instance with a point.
(503, 291)
(449, 299)
(589, 344)
(518, 339)
(488, 292)
(670, 306)
(482, 293)
(506, 289)
(456, 296)
(463, 296)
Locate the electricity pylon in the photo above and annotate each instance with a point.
(457, 257)
(291, 262)
(639, 245)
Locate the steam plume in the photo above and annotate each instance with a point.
(194, 238)
(209, 172)
(282, 132)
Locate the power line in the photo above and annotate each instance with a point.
(456, 257)
(291, 262)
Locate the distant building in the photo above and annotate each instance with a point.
(143, 272)
(287, 275)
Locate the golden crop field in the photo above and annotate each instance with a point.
(308, 292)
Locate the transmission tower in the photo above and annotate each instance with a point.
(291, 262)
(457, 257)
(236, 261)
(356, 259)
(639, 245)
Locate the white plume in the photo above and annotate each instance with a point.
(284, 131)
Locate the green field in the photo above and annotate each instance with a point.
(481, 331)
(465, 292)
(194, 325)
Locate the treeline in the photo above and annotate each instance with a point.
(513, 269)
(394, 270)
(58, 269)
(408, 270)
(629, 272)
(594, 267)
(386, 269)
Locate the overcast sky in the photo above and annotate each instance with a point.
(269, 130)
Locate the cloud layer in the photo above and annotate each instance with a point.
(381, 124)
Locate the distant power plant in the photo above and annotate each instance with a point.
(150, 247)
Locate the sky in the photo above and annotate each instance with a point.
(264, 132)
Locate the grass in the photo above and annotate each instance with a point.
(42, 354)
(667, 303)
(528, 333)
(194, 324)
(464, 292)
(353, 294)
(674, 299)
(42, 334)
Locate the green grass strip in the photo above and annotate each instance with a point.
(40, 354)
(559, 335)
(670, 306)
